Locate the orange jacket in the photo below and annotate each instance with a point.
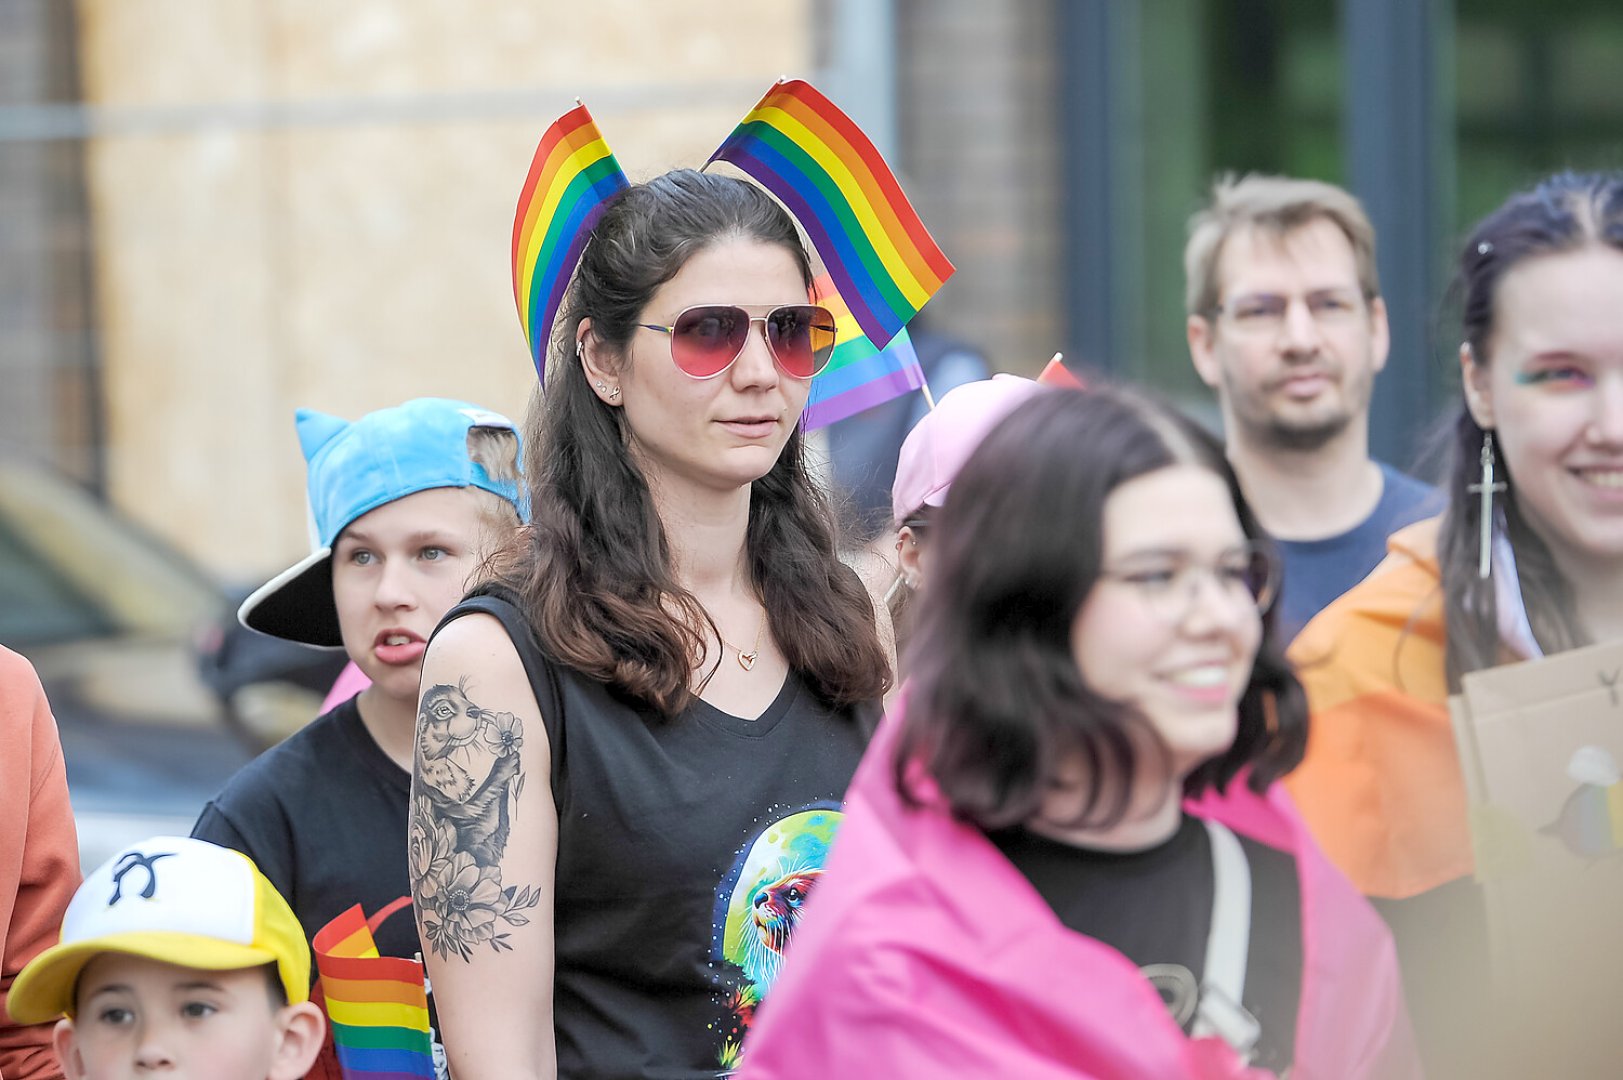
(39, 855)
(1381, 787)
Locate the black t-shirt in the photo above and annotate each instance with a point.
(323, 814)
(685, 850)
(1155, 908)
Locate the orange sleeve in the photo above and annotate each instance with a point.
(39, 855)
(1380, 787)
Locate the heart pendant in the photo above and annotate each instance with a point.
(746, 660)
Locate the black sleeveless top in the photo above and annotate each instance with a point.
(686, 848)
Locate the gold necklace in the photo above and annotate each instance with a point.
(746, 660)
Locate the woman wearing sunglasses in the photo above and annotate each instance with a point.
(1065, 855)
(633, 745)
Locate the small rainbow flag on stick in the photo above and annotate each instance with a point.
(572, 177)
(378, 1005)
(1057, 374)
(802, 148)
(859, 375)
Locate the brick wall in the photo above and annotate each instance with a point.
(976, 100)
(47, 384)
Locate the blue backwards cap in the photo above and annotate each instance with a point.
(356, 467)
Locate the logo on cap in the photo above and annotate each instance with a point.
(129, 862)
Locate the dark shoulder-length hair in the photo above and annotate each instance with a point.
(593, 569)
(1563, 213)
(997, 704)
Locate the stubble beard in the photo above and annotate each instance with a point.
(1271, 428)
(1278, 432)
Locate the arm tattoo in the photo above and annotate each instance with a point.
(467, 779)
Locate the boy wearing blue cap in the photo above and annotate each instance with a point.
(405, 503)
(177, 959)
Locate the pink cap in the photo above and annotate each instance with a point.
(938, 445)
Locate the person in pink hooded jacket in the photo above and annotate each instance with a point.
(1064, 854)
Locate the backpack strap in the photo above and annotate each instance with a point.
(1228, 947)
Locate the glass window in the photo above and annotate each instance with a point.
(1227, 86)
(1535, 92)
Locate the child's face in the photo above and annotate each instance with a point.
(395, 571)
(141, 1018)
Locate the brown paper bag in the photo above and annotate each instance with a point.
(1541, 747)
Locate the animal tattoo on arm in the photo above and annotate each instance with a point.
(468, 778)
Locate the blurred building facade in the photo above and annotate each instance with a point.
(214, 213)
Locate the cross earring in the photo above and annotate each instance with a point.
(1486, 490)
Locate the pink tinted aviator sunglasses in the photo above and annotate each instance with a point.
(708, 338)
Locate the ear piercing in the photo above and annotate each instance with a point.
(603, 388)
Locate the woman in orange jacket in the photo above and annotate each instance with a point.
(1533, 568)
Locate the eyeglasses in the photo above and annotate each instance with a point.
(1265, 313)
(1168, 583)
(705, 340)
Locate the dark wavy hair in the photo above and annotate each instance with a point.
(593, 569)
(1564, 213)
(997, 702)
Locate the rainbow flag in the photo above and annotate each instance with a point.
(1591, 820)
(572, 177)
(859, 374)
(377, 1005)
(1057, 374)
(802, 148)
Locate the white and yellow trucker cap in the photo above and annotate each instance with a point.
(172, 899)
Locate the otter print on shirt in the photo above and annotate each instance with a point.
(758, 907)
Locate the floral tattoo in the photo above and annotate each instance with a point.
(467, 781)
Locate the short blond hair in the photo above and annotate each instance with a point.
(1276, 206)
(496, 450)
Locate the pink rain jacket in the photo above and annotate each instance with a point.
(926, 953)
